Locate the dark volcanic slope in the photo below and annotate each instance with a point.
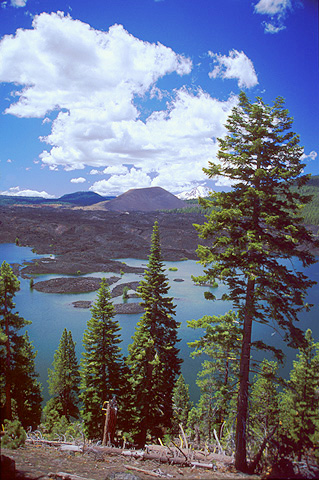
(143, 200)
(86, 241)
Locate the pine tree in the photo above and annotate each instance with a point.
(256, 226)
(218, 379)
(101, 364)
(264, 404)
(182, 404)
(21, 390)
(153, 355)
(299, 404)
(64, 377)
(26, 388)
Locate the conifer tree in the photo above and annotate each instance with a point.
(182, 404)
(255, 227)
(64, 377)
(299, 403)
(218, 379)
(153, 355)
(101, 364)
(264, 404)
(19, 385)
(26, 388)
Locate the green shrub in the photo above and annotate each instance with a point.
(121, 272)
(173, 269)
(31, 282)
(17, 241)
(14, 436)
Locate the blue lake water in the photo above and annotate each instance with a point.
(51, 313)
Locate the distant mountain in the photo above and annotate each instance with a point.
(142, 200)
(75, 199)
(194, 193)
(82, 198)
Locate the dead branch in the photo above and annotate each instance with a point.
(147, 472)
(67, 476)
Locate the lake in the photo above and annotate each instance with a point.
(51, 313)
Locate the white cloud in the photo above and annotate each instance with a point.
(270, 28)
(311, 157)
(18, 3)
(78, 180)
(116, 170)
(117, 183)
(92, 78)
(16, 192)
(272, 7)
(236, 65)
(276, 10)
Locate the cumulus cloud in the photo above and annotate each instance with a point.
(236, 65)
(78, 180)
(16, 192)
(276, 10)
(91, 79)
(117, 183)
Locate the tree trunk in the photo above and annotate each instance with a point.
(242, 404)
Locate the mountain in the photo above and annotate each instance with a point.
(82, 198)
(194, 193)
(142, 200)
(75, 199)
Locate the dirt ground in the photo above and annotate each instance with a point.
(44, 462)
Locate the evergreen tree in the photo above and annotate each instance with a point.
(218, 379)
(182, 404)
(264, 404)
(26, 388)
(64, 377)
(153, 355)
(101, 364)
(256, 226)
(299, 404)
(19, 385)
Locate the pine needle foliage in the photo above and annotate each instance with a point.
(64, 377)
(101, 364)
(182, 404)
(20, 389)
(153, 356)
(218, 379)
(256, 228)
(299, 405)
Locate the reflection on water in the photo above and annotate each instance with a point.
(51, 313)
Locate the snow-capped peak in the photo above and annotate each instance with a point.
(196, 192)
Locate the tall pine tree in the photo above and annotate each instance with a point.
(64, 377)
(101, 364)
(255, 227)
(20, 388)
(153, 356)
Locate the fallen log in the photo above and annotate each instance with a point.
(67, 476)
(142, 470)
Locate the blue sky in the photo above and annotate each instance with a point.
(109, 95)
